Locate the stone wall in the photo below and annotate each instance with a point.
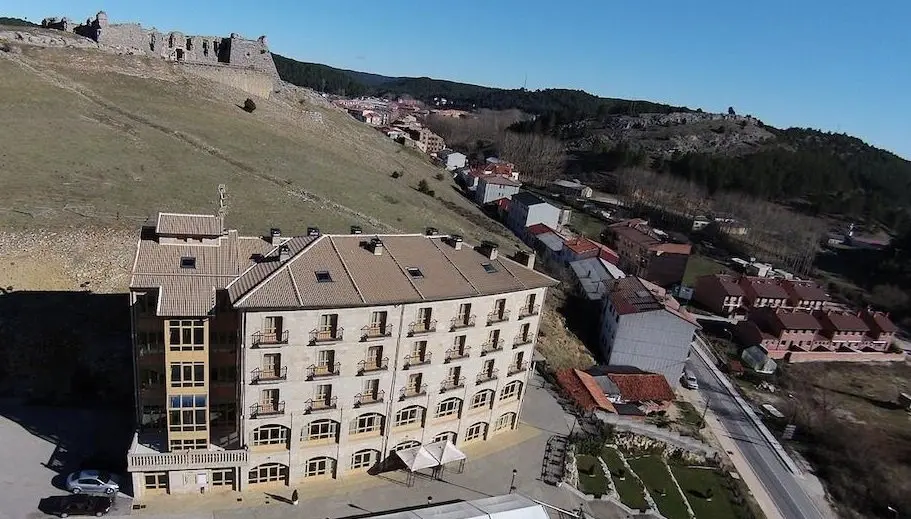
(251, 81)
(831, 356)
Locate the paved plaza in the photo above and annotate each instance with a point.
(488, 472)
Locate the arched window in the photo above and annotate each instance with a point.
(320, 430)
(451, 407)
(269, 473)
(483, 399)
(364, 459)
(511, 390)
(367, 423)
(406, 445)
(477, 431)
(448, 435)
(321, 466)
(271, 435)
(409, 416)
(506, 421)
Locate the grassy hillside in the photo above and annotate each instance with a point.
(102, 140)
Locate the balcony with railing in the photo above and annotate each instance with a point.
(412, 391)
(452, 384)
(270, 339)
(372, 365)
(320, 404)
(462, 321)
(420, 327)
(491, 346)
(323, 370)
(454, 354)
(264, 410)
(497, 316)
(517, 367)
(522, 340)
(416, 360)
(374, 332)
(369, 397)
(319, 336)
(188, 460)
(487, 376)
(268, 376)
(529, 310)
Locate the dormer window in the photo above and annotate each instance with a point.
(415, 272)
(323, 276)
(188, 262)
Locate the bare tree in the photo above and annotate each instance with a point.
(540, 158)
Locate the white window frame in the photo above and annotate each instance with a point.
(489, 397)
(476, 431)
(409, 416)
(268, 473)
(448, 435)
(321, 430)
(449, 407)
(505, 421)
(159, 481)
(270, 435)
(511, 390)
(375, 421)
(320, 466)
(363, 459)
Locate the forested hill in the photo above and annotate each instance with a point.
(16, 22)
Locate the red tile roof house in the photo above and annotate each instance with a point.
(760, 292)
(882, 329)
(649, 392)
(844, 329)
(582, 389)
(805, 295)
(645, 253)
(575, 249)
(791, 330)
(719, 293)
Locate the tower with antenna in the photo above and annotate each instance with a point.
(222, 200)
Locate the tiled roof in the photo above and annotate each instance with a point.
(841, 321)
(527, 199)
(583, 389)
(727, 283)
(879, 320)
(635, 235)
(361, 278)
(767, 288)
(805, 290)
(189, 225)
(796, 320)
(632, 295)
(551, 240)
(538, 228)
(642, 387)
(581, 245)
(672, 248)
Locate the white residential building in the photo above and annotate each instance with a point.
(281, 361)
(452, 160)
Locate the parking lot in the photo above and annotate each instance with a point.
(41, 446)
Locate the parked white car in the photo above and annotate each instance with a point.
(689, 380)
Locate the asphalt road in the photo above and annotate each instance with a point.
(782, 486)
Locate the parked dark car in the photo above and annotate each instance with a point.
(76, 504)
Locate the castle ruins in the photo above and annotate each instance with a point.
(132, 38)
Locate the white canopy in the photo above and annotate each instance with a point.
(417, 458)
(445, 452)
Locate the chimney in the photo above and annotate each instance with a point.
(376, 247)
(356, 229)
(276, 235)
(527, 259)
(489, 249)
(284, 253)
(432, 231)
(313, 231)
(456, 241)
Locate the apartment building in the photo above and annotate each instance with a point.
(648, 253)
(279, 361)
(788, 329)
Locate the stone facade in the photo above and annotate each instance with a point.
(132, 38)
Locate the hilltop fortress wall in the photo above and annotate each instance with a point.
(241, 63)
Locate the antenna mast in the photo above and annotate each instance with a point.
(222, 200)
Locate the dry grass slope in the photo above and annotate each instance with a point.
(104, 141)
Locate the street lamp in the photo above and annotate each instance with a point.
(429, 500)
(512, 484)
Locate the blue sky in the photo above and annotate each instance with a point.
(836, 65)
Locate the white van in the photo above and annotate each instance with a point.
(689, 380)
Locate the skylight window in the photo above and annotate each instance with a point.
(415, 272)
(323, 276)
(187, 262)
(490, 269)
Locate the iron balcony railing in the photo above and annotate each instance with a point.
(457, 353)
(451, 384)
(462, 321)
(419, 327)
(267, 339)
(371, 365)
(529, 310)
(264, 376)
(261, 410)
(369, 397)
(375, 331)
(491, 346)
(417, 360)
(517, 367)
(497, 316)
(333, 335)
(522, 340)
(320, 404)
(323, 370)
(412, 391)
(487, 376)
